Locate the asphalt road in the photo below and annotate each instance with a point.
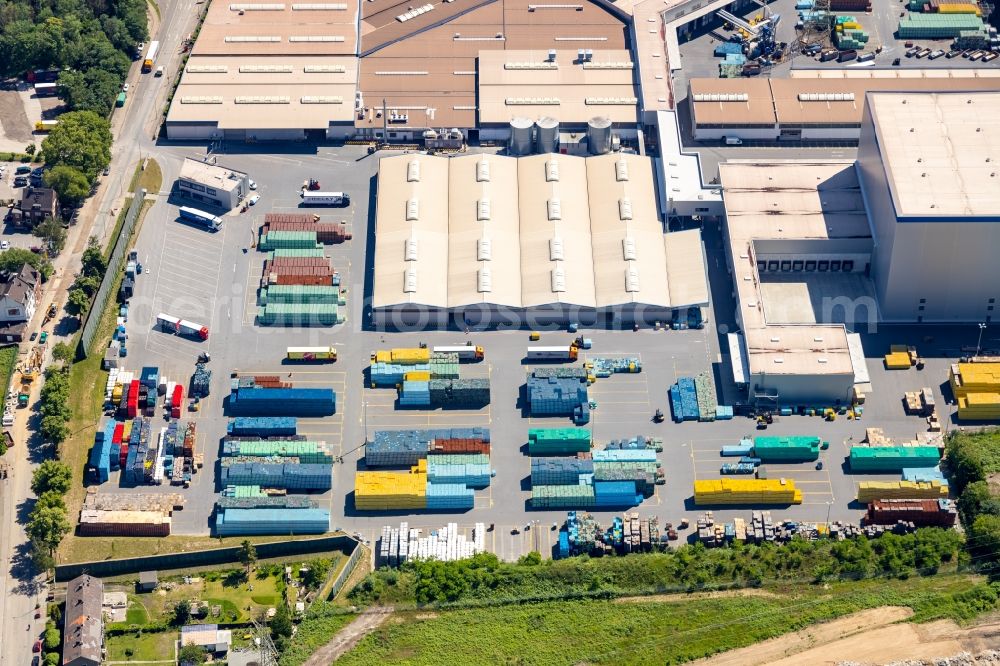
(23, 589)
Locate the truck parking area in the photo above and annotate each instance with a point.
(212, 278)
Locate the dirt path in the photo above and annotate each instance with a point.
(693, 596)
(869, 636)
(349, 636)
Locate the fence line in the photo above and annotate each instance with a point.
(108, 280)
(345, 573)
(200, 558)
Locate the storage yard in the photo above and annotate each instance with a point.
(489, 458)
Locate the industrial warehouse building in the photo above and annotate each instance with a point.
(485, 240)
(906, 234)
(808, 107)
(212, 184)
(930, 175)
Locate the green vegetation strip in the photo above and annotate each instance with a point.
(150, 178)
(604, 632)
(974, 467)
(322, 622)
(8, 359)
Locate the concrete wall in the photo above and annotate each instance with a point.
(803, 389)
(717, 133)
(183, 132)
(878, 202)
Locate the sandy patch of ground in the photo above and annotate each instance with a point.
(15, 130)
(869, 636)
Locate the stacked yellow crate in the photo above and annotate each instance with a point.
(869, 491)
(897, 361)
(976, 387)
(410, 356)
(746, 491)
(417, 376)
(382, 491)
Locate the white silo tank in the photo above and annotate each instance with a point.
(599, 135)
(521, 130)
(547, 135)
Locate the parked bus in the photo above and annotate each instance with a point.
(325, 198)
(45, 126)
(147, 64)
(201, 218)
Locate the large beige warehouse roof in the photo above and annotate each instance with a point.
(747, 101)
(565, 89)
(484, 251)
(281, 28)
(788, 200)
(412, 229)
(940, 152)
(559, 229)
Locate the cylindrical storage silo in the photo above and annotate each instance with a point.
(547, 135)
(520, 136)
(599, 135)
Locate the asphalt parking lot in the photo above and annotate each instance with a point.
(212, 278)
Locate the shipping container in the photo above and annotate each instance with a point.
(920, 512)
(282, 402)
(567, 353)
(892, 458)
(311, 354)
(245, 522)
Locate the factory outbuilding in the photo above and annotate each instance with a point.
(930, 174)
(485, 240)
(211, 184)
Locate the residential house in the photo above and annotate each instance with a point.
(37, 204)
(19, 292)
(83, 623)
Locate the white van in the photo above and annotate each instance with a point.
(733, 141)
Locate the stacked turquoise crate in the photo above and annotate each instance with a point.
(558, 441)
(383, 375)
(469, 470)
(615, 493)
(938, 26)
(645, 475)
(559, 471)
(295, 252)
(300, 293)
(289, 240)
(972, 39)
(562, 496)
(243, 522)
(460, 393)
(295, 477)
(299, 314)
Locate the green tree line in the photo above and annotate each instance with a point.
(973, 464)
(91, 42)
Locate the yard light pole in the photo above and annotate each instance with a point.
(979, 342)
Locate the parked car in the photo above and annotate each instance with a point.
(34, 334)
(37, 647)
(952, 54)
(865, 57)
(990, 56)
(4, 245)
(22, 169)
(20, 181)
(44, 337)
(252, 184)
(935, 54)
(923, 53)
(38, 171)
(254, 198)
(125, 87)
(912, 51)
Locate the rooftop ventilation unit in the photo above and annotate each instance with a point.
(484, 249)
(625, 208)
(252, 39)
(201, 99)
(413, 13)
(551, 171)
(552, 55)
(554, 209)
(532, 101)
(483, 171)
(621, 170)
(207, 69)
(322, 99)
(632, 279)
(483, 210)
(610, 64)
(263, 99)
(410, 281)
(826, 97)
(412, 210)
(266, 69)
(413, 171)
(410, 249)
(555, 249)
(558, 280)
(611, 101)
(485, 281)
(628, 248)
(257, 7)
(324, 69)
(722, 97)
(316, 38)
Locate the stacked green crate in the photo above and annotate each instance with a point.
(892, 458)
(562, 497)
(786, 449)
(294, 252)
(299, 314)
(444, 366)
(303, 240)
(300, 293)
(937, 26)
(972, 39)
(558, 441)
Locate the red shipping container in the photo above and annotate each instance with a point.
(116, 438)
(290, 217)
(281, 262)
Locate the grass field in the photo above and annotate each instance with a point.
(236, 601)
(8, 359)
(655, 632)
(158, 647)
(323, 621)
(150, 178)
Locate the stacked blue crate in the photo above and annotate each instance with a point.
(563, 549)
(415, 394)
(925, 474)
(115, 459)
(100, 453)
(744, 448)
(725, 48)
(675, 404)
(616, 493)
(557, 396)
(444, 496)
(149, 377)
(289, 476)
(391, 374)
(559, 471)
(242, 522)
(262, 426)
(283, 402)
(723, 413)
(689, 398)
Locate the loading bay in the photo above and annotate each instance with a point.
(213, 278)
